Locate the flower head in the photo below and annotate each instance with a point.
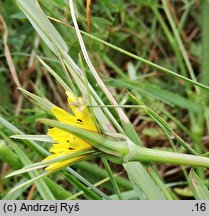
(66, 142)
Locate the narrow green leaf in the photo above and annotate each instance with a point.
(61, 82)
(17, 193)
(144, 187)
(114, 183)
(198, 187)
(58, 191)
(128, 195)
(41, 101)
(41, 138)
(37, 180)
(42, 25)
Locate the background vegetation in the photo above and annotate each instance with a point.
(156, 39)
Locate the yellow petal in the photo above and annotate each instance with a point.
(63, 116)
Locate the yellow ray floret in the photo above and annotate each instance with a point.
(66, 142)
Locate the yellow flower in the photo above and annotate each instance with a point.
(67, 142)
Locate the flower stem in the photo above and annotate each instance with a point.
(152, 155)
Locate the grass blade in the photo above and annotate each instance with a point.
(41, 138)
(198, 187)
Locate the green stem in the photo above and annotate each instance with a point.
(153, 155)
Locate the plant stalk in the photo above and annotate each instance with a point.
(154, 155)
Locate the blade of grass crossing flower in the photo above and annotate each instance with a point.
(40, 138)
(198, 187)
(95, 100)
